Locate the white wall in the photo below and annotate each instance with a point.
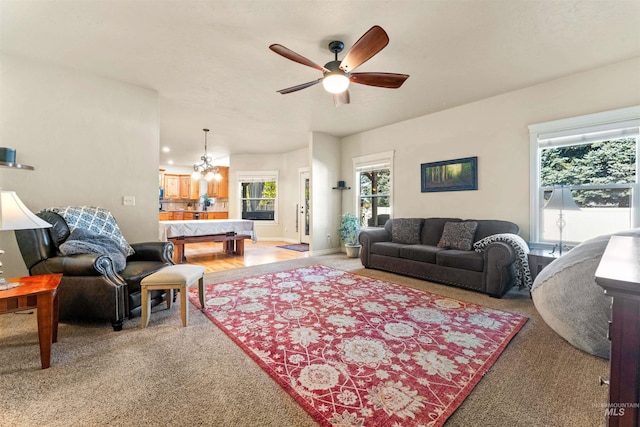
(495, 130)
(91, 141)
(326, 205)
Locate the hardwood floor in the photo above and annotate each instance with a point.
(212, 258)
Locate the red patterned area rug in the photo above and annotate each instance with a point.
(357, 351)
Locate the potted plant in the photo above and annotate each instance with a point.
(349, 231)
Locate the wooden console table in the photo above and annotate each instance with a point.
(619, 274)
(231, 232)
(41, 293)
(233, 243)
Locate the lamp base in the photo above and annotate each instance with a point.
(560, 248)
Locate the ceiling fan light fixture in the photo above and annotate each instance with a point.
(335, 82)
(337, 75)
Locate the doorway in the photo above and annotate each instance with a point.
(304, 221)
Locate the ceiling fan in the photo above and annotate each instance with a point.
(338, 74)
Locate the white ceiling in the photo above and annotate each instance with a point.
(210, 64)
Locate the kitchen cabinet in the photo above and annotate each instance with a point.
(195, 188)
(223, 184)
(171, 186)
(217, 215)
(181, 187)
(185, 186)
(213, 188)
(214, 215)
(220, 188)
(189, 215)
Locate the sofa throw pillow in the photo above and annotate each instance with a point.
(83, 241)
(93, 218)
(406, 230)
(458, 235)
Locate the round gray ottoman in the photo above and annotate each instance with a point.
(567, 297)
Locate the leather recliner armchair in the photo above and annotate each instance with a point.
(90, 287)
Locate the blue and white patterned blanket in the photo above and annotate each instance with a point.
(96, 219)
(83, 241)
(523, 273)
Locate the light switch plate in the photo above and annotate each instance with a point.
(129, 200)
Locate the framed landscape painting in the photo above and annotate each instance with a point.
(450, 175)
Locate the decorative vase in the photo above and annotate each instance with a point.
(7, 155)
(353, 250)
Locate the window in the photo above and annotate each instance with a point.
(592, 162)
(258, 195)
(373, 180)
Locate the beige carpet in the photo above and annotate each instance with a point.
(195, 376)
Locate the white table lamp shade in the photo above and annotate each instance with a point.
(562, 200)
(14, 215)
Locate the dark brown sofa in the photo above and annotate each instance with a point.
(90, 287)
(491, 271)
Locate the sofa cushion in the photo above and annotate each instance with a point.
(387, 248)
(458, 235)
(388, 226)
(406, 230)
(432, 230)
(423, 253)
(465, 260)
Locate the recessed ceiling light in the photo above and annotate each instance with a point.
(170, 162)
(165, 149)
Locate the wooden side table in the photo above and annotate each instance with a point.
(41, 293)
(539, 259)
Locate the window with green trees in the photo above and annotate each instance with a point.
(258, 197)
(374, 189)
(598, 165)
(374, 197)
(595, 164)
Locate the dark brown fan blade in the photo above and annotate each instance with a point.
(388, 80)
(372, 42)
(289, 54)
(302, 86)
(341, 98)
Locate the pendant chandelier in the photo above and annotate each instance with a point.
(206, 169)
